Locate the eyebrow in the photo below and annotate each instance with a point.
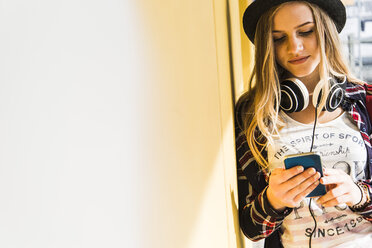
(301, 25)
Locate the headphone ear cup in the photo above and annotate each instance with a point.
(294, 96)
(335, 97)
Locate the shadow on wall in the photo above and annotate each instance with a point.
(183, 163)
(188, 165)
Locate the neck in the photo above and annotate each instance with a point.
(311, 80)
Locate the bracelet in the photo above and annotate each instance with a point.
(361, 194)
(364, 199)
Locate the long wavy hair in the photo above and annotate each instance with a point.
(258, 108)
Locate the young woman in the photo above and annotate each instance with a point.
(297, 51)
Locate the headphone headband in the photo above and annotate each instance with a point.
(295, 96)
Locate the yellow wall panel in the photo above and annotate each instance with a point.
(190, 179)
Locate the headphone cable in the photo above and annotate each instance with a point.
(311, 149)
(315, 223)
(315, 121)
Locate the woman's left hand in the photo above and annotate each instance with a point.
(340, 189)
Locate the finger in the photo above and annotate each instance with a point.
(304, 193)
(332, 194)
(285, 175)
(336, 201)
(300, 178)
(330, 172)
(326, 180)
(304, 185)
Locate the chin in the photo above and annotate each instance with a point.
(302, 73)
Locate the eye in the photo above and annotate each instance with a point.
(306, 33)
(279, 39)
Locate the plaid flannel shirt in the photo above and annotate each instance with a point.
(258, 219)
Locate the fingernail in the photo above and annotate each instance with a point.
(312, 171)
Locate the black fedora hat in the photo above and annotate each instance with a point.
(334, 8)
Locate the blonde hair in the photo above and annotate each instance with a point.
(259, 107)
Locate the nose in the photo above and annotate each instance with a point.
(295, 44)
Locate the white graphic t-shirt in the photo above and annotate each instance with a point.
(340, 146)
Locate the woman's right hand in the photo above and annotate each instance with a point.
(287, 188)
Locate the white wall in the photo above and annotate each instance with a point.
(68, 123)
(116, 124)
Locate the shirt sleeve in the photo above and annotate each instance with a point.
(258, 219)
(361, 111)
(366, 212)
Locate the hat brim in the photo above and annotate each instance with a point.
(334, 8)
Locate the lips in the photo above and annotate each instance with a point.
(298, 60)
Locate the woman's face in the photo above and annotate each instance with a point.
(295, 41)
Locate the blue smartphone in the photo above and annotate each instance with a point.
(307, 160)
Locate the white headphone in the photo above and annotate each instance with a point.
(295, 96)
